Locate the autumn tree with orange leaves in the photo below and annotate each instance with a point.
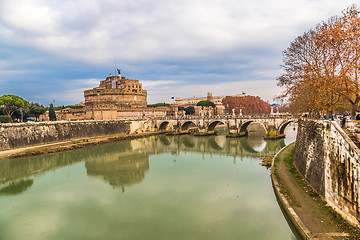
(249, 105)
(321, 67)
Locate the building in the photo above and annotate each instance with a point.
(67, 114)
(194, 100)
(117, 97)
(116, 91)
(218, 100)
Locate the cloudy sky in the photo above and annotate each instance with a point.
(55, 49)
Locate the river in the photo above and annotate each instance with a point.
(159, 187)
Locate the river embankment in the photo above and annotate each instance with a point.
(17, 135)
(310, 215)
(70, 144)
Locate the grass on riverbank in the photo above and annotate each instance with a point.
(325, 209)
(266, 162)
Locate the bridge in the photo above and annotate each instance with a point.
(237, 125)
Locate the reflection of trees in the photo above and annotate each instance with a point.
(15, 169)
(20, 168)
(17, 187)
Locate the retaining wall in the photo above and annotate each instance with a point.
(23, 134)
(329, 161)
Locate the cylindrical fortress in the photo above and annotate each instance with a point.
(115, 92)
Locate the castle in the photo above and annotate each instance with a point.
(119, 98)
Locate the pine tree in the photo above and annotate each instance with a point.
(52, 115)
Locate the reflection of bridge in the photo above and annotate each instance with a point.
(236, 147)
(126, 162)
(235, 124)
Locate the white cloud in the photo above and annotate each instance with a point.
(148, 84)
(187, 40)
(30, 16)
(96, 31)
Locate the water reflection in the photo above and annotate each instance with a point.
(213, 197)
(119, 171)
(126, 162)
(15, 188)
(19, 168)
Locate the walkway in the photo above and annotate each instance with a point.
(316, 219)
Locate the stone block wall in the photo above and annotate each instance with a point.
(329, 161)
(23, 134)
(309, 154)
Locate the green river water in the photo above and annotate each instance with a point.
(159, 187)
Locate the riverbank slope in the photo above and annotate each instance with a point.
(310, 215)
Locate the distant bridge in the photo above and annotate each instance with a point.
(237, 125)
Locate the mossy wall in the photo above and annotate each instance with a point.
(329, 161)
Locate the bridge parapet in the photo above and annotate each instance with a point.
(237, 125)
(265, 116)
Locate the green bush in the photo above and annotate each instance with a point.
(5, 119)
(272, 133)
(159, 105)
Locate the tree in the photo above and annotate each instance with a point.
(189, 110)
(249, 105)
(321, 67)
(52, 115)
(5, 119)
(159, 105)
(206, 104)
(36, 110)
(12, 102)
(20, 114)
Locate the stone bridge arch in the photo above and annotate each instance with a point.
(186, 125)
(165, 125)
(284, 125)
(244, 126)
(213, 124)
(236, 125)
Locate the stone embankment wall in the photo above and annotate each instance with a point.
(329, 161)
(23, 134)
